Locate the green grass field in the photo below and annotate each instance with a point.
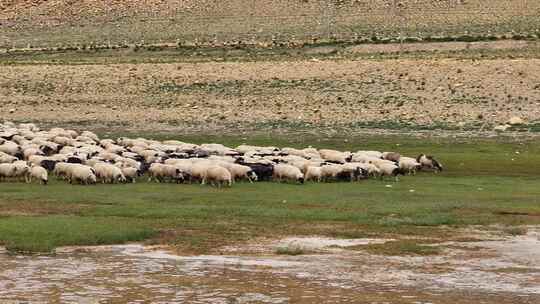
(485, 182)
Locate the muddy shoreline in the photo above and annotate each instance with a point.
(500, 269)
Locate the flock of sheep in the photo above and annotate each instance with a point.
(28, 153)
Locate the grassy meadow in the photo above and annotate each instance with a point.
(485, 182)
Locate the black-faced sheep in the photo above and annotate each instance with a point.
(428, 162)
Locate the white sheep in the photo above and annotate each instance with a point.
(90, 135)
(288, 172)
(6, 158)
(36, 159)
(130, 173)
(160, 172)
(331, 172)
(10, 148)
(65, 141)
(371, 169)
(408, 165)
(30, 152)
(241, 172)
(389, 170)
(81, 174)
(375, 154)
(391, 156)
(21, 170)
(38, 173)
(173, 142)
(198, 170)
(7, 171)
(313, 173)
(62, 170)
(108, 173)
(217, 175)
(335, 156)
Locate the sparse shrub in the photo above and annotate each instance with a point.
(291, 249)
(515, 231)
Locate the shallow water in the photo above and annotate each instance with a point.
(506, 271)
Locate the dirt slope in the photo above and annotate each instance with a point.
(60, 22)
(428, 92)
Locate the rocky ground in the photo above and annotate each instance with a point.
(348, 92)
(40, 23)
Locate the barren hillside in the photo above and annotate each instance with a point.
(55, 22)
(433, 93)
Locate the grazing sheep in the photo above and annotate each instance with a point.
(198, 170)
(29, 126)
(293, 151)
(30, 152)
(161, 172)
(241, 172)
(36, 159)
(49, 148)
(264, 172)
(371, 169)
(21, 170)
(65, 152)
(62, 140)
(353, 171)
(90, 135)
(217, 175)
(314, 173)
(7, 171)
(6, 158)
(130, 174)
(288, 172)
(10, 148)
(62, 170)
(391, 156)
(408, 165)
(173, 142)
(363, 158)
(331, 172)
(81, 174)
(428, 162)
(48, 164)
(108, 173)
(375, 154)
(379, 162)
(335, 156)
(389, 170)
(38, 173)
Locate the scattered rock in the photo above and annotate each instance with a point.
(11, 111)
(501, 128)
(516, 120)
